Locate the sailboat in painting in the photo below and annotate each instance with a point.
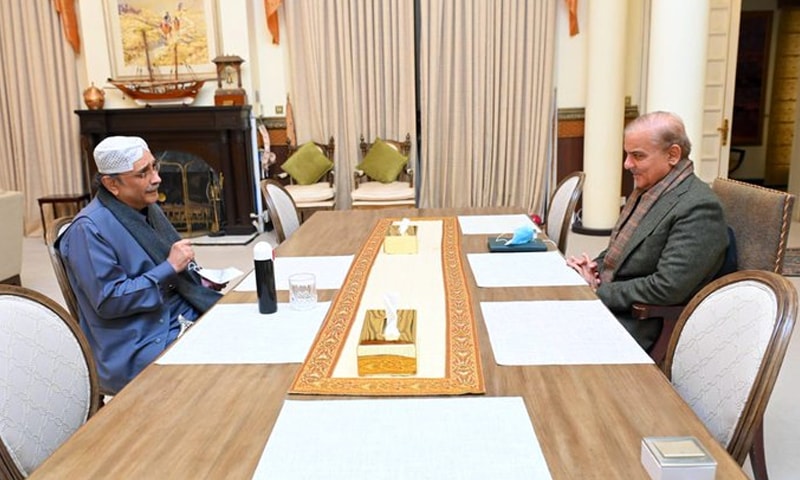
(158, 89)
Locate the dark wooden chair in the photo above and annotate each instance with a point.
(316, 196)
(370, 193)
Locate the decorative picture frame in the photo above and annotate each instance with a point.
(182, 33)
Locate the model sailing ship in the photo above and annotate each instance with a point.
(165, 90)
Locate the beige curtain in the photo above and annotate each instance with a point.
(487, 100)
(39, 140)
(351, 73)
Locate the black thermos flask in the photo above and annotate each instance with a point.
(265, 278)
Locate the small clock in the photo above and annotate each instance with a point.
(229, 81)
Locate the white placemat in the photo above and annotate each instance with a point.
(536, 269)
(443, 438)
(576, 332)
(497, 224)
(330, 272)
(238, 333)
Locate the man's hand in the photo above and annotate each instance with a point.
(587, 268)
(180, 255)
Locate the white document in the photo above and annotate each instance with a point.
(329, 271)
(494, 224)
(559, 332)
(442, 438)
(220, 276)
(535, 269)
(236, 333)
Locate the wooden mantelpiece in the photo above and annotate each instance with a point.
(219, 135)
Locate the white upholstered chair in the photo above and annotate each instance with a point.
(48, 382)
(282, 209)
(306, 162)
(382, 179)
(727, 349)
(561, 208)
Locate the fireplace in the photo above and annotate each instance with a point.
(190, 192)
(209, 147)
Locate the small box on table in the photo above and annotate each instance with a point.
(378, 356)
(677, 458)
(397, 243)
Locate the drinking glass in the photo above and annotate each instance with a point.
(302, 291)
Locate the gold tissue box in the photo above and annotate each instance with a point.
(394, 243)
(378, 356)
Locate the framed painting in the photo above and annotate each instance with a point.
(161, 37)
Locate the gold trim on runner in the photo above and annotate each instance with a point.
(464, 372)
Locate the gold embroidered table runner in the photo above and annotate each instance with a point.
(433, 282)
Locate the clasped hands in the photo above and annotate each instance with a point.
(587, 268)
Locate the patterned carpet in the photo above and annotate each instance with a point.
(791, 262)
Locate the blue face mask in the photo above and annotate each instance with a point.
(523, 234)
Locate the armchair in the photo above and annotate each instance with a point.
(384, 177)
(309, 176)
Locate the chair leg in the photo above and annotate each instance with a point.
(758, 460)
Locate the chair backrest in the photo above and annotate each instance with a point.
(726, 351)
(281, 207)
(54, 231)
(760, 218)
(327, 150)
(49, 381)
(562, 208)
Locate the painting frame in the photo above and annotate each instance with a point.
(191, 42)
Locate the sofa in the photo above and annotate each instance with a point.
(10, 236)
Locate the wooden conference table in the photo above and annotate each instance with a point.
(213, 421)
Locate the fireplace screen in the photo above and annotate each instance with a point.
(190, 193)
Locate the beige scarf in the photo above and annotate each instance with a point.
(636, 208)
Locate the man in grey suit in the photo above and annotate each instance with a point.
(671, 237)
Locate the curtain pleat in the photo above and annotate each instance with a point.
(351, 68)
(486, 71)
(39, 133)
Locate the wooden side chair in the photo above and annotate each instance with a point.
(53, 233)
(561, 208)
(50, 383)
(725, 354)
(282, 209)
(384, 178)
(309, 171)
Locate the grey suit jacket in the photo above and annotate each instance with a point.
(677, 248)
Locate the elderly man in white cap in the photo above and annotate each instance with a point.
(132, 274)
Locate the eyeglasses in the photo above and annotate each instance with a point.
(146, 172)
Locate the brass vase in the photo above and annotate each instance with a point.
(94, 98)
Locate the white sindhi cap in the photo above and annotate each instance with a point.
(118, 154)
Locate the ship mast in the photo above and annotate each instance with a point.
(147, 54)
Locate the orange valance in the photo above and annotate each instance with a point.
(69, 22)
(271, 7)
(572, 5)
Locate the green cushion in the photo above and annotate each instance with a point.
(307, 165)
(383, 162)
